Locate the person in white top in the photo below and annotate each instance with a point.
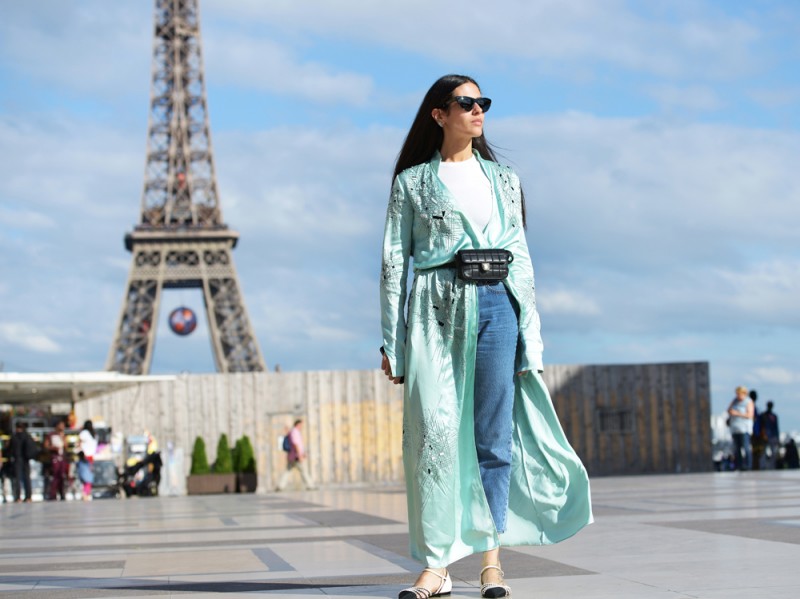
(88, 441)
(88, 449)
(442, 144)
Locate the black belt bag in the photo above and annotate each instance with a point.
(483, 265)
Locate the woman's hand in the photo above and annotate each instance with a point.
(387, 369)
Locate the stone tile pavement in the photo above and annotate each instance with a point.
(709, 536)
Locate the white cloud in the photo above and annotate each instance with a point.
(776, 375)
(118, 262)
(566, 302)
(303, 210)
(25, 219)
(778, 97)
(654, 193)
(317, 317)
(558, 33)
(89, 46)
(695, 98)
(27, 336)
(53, 161)
(667, 226)
(768, 289)
(70, 189)
(324, 187)
(263, 64)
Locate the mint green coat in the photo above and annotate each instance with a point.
(434, 349)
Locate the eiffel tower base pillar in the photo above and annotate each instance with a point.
(194, 262)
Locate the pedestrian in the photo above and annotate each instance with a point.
(87, 444)
(296, 458)
(87, 441)
(6, 469)
(85, 475)
(770, 431)
(758, 440)
(23, 449)
(55, 443)
(486, 461)
(740, 420)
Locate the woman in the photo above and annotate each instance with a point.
(55, 444)
(88, 449)
(85, 475)
(486, 461)
(741, 413)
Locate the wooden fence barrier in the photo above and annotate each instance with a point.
(621, 419)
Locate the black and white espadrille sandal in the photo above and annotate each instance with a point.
(494, 589)
(445, 588)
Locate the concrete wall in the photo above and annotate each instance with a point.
(353, 419)
(620, 419)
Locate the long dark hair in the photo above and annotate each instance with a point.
(88, 426)
(425, 137)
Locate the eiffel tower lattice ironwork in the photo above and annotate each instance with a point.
(181, 240)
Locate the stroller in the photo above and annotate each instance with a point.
(143, 477)
(107, 480)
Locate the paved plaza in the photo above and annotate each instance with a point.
(710, 536)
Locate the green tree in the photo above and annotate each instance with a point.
(199, 459)
(224, 463)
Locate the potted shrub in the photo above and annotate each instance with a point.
(195, 482)
(223, 467)
(202, 480)
(245, 465)
(199, 459)
(224, 463)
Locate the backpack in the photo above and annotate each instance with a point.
(287, 443)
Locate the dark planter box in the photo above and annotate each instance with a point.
(209, 484)
(246, 482)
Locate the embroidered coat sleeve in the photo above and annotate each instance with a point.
(530, 336)
(397, 251)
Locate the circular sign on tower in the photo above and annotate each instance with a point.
(182, 321)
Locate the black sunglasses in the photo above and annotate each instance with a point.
(467, 103)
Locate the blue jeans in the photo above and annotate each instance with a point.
(742, 441)
(498, 330)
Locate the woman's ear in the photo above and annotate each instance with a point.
(436, 113)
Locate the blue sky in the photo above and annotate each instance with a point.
(658, 143)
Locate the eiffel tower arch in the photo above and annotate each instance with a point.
(181, 240)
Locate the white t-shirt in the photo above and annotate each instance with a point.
(88, 443)
(57, 443)
(471, 189)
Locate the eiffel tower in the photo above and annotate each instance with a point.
(181, 240)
